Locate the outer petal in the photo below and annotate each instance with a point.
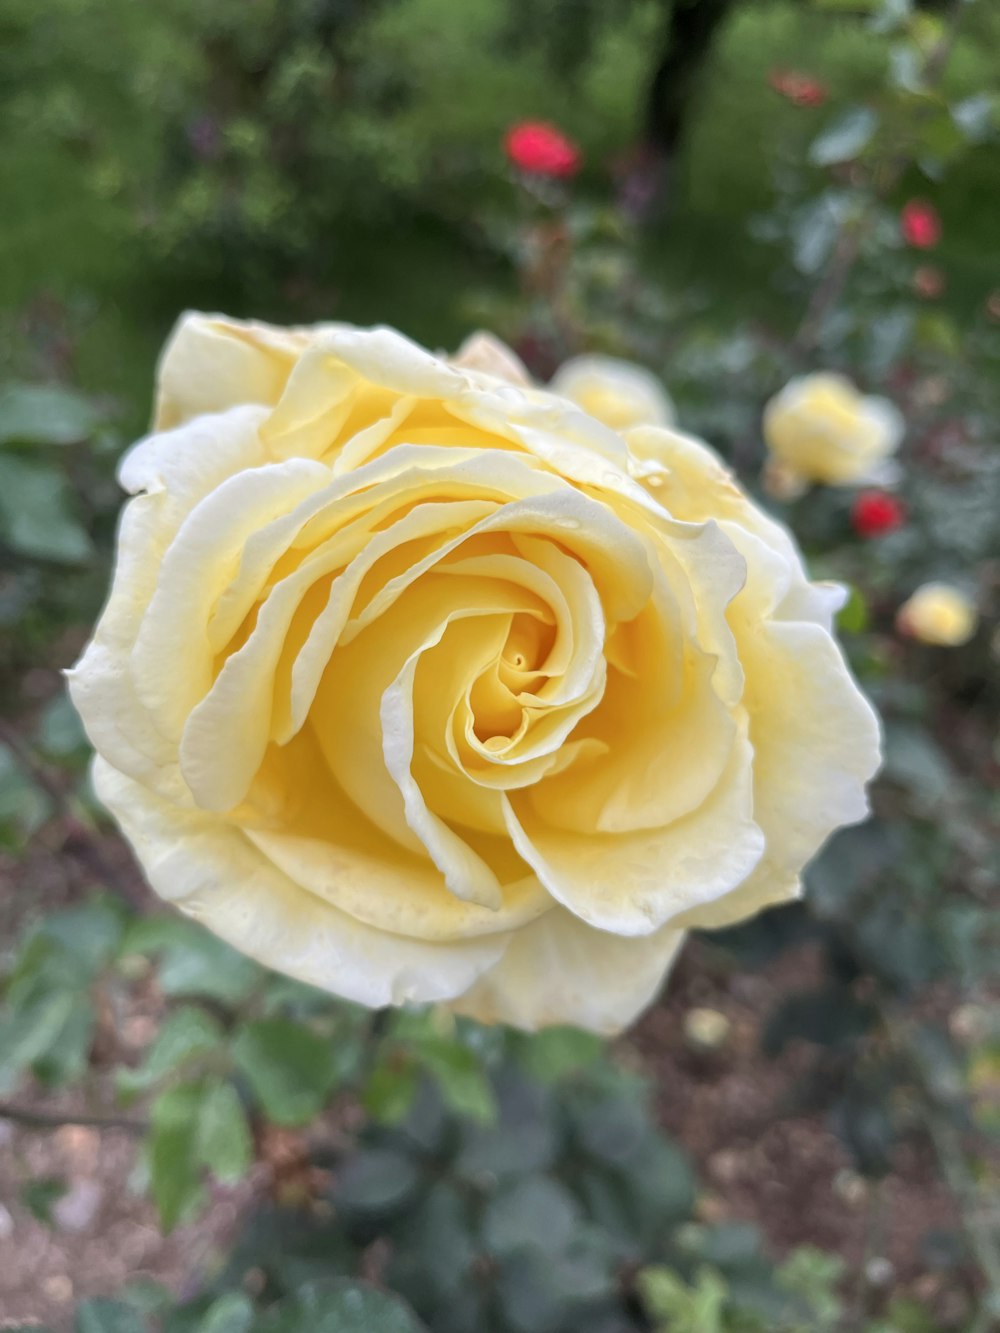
(816, 742)
(210, 870)
(559, 970)
(211, 363)
(481, 351)
(634, 883)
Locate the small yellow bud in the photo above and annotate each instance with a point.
(939, 614)
(706, 1029)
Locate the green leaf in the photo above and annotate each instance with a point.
(60, 733)
(172, 1149)
(37, 516)
(845, 139)
(24, 807)
(434, 1246)
(108, 1317)
(460, 1077)
(377, 1180)
(534, 1213)
(29, 1033)
(223, 1140)
(67, 1057)
(91, 933)
(232, 1313)
(390, 1091)
(44, 414)
(852, 617)
(554, 1053)
(291, 1070)
(185, 1035)
(522, 1138)
(696, 1309)
(193, 962)
(340, 1305)
(41, 1194)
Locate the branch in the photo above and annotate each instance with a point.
(50, 1120)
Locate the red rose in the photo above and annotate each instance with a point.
(920, 224)
(874, 513)
(541, 149)
(798, 88)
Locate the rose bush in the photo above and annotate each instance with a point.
(419, 684)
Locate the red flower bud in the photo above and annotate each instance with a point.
(541, 149)
(920, 224)
(874, 513)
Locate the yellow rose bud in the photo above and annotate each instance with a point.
(706, 1029)
(938, 614)
(616, 392)
(821, 428)
(421, 685)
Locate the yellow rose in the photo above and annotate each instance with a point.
(421, 685)
(939, 614)
(820, 428)
(618, 393)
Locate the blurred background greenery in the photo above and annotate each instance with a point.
(802, 1135)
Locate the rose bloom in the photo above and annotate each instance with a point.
(541, 149)
(938, 614)
(801, 89)
(920, 224)
(822, 429)
(875, 513)
(419, 684)
(616, 392)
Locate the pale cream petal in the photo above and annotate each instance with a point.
(195, 571)
(227, 733)
(316, 402)
(483, 352)
(346, 713)
(211, 363)
(188, 462)
(633, 883)
(213, 873)
(466, 875)
(557, 970)
(386, 358)
(692, 483)
(815, 738)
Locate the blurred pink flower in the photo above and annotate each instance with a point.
(537, 147)
(920, 224)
